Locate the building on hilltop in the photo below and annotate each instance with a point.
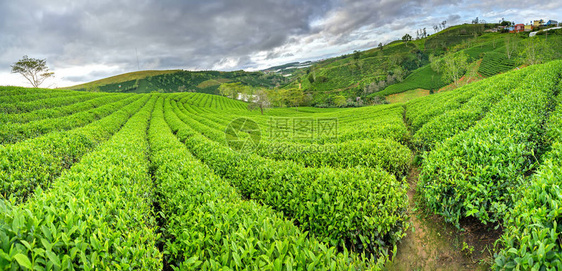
(519, 28)
(537, 23)
(551, 23)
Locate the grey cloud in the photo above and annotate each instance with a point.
(453, 19)
(206, 34)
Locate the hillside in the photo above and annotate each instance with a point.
(372, 74)
(180, 81)
(121, 78)
(399, 67)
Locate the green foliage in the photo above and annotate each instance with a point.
(36, 162)
(454, 66)
(85, 186)
(29, 102)
(203, 102)
(531, 238)
(423, 77)
(369, 221)
(429, 109)
(97, 215)
(385, 153)
(377, 152)
(231, 90)
(244, 234)
(536, 51)
(291, 97)
(477, 172)
(89, 102)
(406, 38)
(14, 132)
(339, 101)
(494, 63)
(17, 91)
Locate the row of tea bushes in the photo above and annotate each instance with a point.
(97, 215)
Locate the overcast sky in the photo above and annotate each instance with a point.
(88, 40)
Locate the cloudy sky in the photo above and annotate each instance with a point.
(88, 40)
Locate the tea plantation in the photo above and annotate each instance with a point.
(163, 181)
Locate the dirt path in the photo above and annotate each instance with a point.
(432, 244)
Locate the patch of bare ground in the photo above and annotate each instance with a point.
(433, 244)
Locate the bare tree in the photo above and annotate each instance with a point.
(510, 46)
(260, 100)
(34, 70)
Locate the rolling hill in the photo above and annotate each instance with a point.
(371, 74)
(168, 81)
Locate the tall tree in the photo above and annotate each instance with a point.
(292, 97)
(339, 101)
(406, 38)
(455, 66)
(231, 90)
(536, 51)
(510, 46)
(33, 69)
(434, 63)
(356, 55)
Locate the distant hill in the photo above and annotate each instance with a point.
(167, 81)
(289, 68)
(398, 67)
(374, 73)
(350, 75)
(122, 78)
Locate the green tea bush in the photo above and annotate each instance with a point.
(37, 162)
(14, 132)
(97, 215)
(62, 111)
(532, 230)
(477, 172)
(209, 227)
(359, 208)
